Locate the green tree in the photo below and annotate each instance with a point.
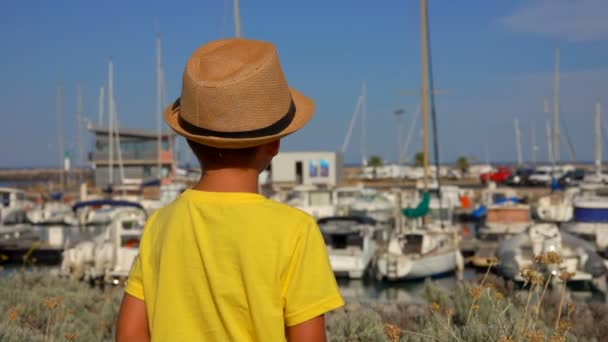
(463, 164)
(374, 161)
(419, 159)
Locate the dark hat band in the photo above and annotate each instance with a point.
(273, 129)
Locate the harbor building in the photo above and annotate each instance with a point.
(321, 168)
(138, 156)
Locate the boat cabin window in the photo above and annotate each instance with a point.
(5, 199)
(15, 217)
(343, 241)
(127, 225)
(442, 214)
(412, 244)
(318, 198)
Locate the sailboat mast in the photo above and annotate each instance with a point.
(425, 89)
(79, 120)
(556, 128)
(101, 105)
(158, 106)
(237, 19)
(550, 154)
(518, 142)
(598, 138)
(59, 91)
(364, 124)
(533, 155)
(110, 123)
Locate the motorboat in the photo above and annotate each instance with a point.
(577, 256)
(352, 243)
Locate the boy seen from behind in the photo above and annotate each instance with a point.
(223, 263)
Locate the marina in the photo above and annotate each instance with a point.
(481, 215)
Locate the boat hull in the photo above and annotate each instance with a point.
(399, 266)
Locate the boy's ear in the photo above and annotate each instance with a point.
(276, 147)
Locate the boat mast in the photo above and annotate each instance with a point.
(533, 142)
(598, 138)
(399, 117)
(101, 103)
(556, 128)
(518, 142)
(79, 120)
(110, 124)
(550, 154)
(158, 106)
(237, 19)
(59, 92)
(425, 90)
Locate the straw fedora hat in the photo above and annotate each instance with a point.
(234, 95)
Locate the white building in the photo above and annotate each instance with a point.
(309, 168)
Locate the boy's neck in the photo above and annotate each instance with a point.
(229, 180)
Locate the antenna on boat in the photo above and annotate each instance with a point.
(518, 142)
(237, 19)
(598, 138)
(556, 130)
(59, 94)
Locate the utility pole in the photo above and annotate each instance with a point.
(159, 109)
(364, 123)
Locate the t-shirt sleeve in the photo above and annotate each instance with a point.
(311, 288)
(135, 285)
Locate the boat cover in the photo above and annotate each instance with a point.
(590, 214)
(99, 203)
(421, 210)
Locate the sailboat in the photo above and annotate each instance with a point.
(419, 247)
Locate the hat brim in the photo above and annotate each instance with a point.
(304, 111)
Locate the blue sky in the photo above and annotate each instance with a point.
(495, 59)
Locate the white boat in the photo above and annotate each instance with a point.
(420, 253)
(590, 219)
(109, 255)
(49, 213)
(578, 256)
(312, 200)
(556, 207)
(352, 243)
(374, 204)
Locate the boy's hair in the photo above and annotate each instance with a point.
(213, 157)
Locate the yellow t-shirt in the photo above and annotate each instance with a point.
(220, 266)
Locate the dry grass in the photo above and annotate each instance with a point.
(37, 307)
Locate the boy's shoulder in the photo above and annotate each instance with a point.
(263, 205)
